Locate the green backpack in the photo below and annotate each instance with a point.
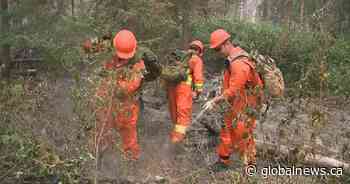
(268, 70)
(176, 67)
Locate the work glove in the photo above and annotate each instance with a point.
(211, 104)
(149, 57)
(153, 68)
(208, 106)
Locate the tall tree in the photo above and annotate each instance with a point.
(235, 8)
(228, 6)
(302, 10)
(241, 9)
(287, 7)
(5, 47)
(73, 6)
(203, 7)
(183, 10)
(60, 7)
(186, 28)
(124, 5)
(267, 10)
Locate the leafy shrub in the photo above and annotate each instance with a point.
(299, 54)
(338, 58)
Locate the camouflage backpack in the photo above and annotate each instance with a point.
(152, 65)
(268, 71)
(176, 67)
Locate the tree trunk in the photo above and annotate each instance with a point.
(183, 9)
(60, 7)
(302, 9)
(304, 154)
(204, 8)
(269, 10)
(265, 9)
(287, 13)
(235, 8)
(124, 5)
(186, 29)
(5, 48)
(252, 8)
(307, 156)
(227, 6)
(241, 9)
(72, 2)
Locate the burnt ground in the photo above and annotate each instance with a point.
(287, 123)
(58, 123)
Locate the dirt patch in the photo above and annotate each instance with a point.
(57, 122)
(189, 162)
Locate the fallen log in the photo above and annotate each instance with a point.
(21, 60)
(308, 157)
(305, 156)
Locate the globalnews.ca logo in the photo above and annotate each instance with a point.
(293, 171)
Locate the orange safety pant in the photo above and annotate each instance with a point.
(180, 107)
(123, 119)
(237, 137)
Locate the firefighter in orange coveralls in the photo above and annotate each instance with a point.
(180, 96)
(124, 115)
(239, 89)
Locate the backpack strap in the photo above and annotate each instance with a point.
(237, 55)
(252, 67)
(233, 57)
(240, 54)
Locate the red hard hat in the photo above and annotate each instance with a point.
(218, 37)
(125, 44)
(198, 44)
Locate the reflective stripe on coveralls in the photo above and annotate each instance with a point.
(237, 134)
(180, 98)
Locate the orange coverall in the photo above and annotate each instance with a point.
(180, 98)
(124, 113)
(241, 88)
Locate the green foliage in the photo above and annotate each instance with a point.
(152, 21)
(339, 68)
(28, 159)
(25, 157)
(40, 25)
(298, 54)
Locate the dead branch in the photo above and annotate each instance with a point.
(308, 158)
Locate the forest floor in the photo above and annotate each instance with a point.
(58, 127)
